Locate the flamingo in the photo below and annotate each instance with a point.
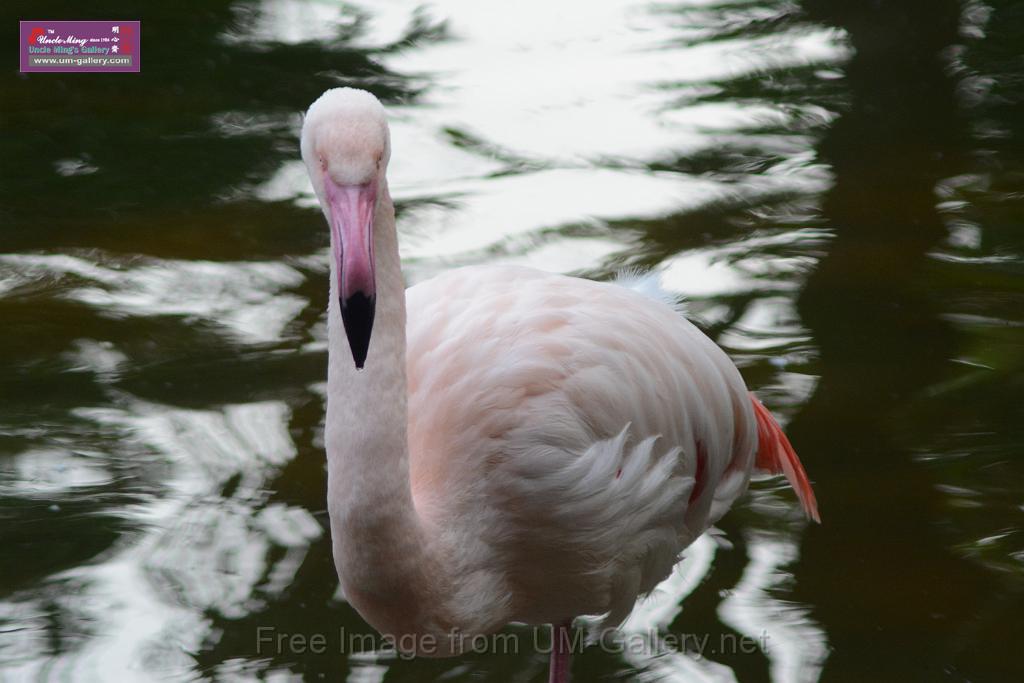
(504, 444)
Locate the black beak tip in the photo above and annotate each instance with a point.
(357, 315)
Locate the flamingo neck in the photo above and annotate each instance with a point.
(378, 539)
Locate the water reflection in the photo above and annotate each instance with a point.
(904, 133)
(833, 187)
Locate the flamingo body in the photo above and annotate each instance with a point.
(572, 436)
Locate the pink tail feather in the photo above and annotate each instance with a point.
(775, 454)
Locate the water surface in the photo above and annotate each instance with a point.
(833, 186)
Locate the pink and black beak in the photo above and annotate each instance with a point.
(351, 209)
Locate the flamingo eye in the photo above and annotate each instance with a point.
(323, 162)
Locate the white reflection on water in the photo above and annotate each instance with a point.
(582, 82)
(655, 614)
(247, 299)
(46, 471)
(98, 357)
(367, 673)
(566, 103)
(739, 267)
(288, 21)
(794, 644)
(214, 556)
(111, 619)
(502, 208)
(480, 213)
(140, 609)
(206, 447)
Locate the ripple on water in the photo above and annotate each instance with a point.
(142, 604)
(248, 300)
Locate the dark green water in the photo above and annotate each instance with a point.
(837, 186)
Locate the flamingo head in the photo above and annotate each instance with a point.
(346, 148)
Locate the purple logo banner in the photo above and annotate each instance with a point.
(82, 46)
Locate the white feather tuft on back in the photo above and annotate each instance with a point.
(648, 283)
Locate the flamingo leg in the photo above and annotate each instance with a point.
(561, 650)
